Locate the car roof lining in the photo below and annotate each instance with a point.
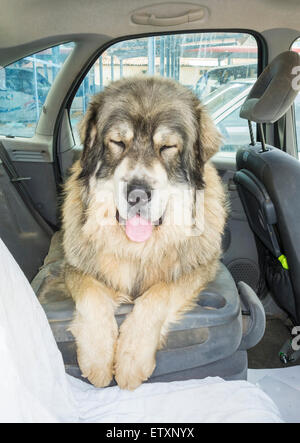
(35, 21)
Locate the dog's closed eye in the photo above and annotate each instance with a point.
(167, 148)
(117, 146)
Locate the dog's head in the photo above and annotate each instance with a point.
(143, 139)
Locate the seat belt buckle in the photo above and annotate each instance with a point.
(283, 260)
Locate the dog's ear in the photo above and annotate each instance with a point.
(207, 143)
(92, 146)
(87, 127)
(209, 137)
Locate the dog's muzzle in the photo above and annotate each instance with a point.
(138, 224)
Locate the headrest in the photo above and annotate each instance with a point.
(273, 93)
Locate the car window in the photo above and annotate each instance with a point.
(234, 130)
(24, 86)
(220, 63)
(296, 47)
(221, 97)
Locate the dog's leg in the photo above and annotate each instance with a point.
(144, 330)
(94, 326)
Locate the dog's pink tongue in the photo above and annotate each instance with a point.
(138, 229)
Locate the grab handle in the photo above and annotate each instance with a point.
(151, 19)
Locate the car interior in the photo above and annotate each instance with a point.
(243, 66)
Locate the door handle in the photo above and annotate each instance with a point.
(144, 18)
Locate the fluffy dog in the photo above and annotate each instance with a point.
(147, 142)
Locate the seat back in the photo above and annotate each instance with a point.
(268, 182)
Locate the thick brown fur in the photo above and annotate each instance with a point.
(161, 276)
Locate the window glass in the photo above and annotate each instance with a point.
(24, 86)
(296, 47)
(219, 67)
(234, 130)
(228, 94)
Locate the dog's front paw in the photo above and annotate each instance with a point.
(98, 369)
(132, 367)
(134, 357)
(95, 351)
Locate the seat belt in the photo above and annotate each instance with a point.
(17, 181)
(280, 133)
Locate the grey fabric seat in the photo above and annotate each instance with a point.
(210, 340)
(268, 182)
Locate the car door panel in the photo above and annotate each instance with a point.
(239, 248)
(31, 160)
(24, 234)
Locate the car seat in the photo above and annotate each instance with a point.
(210, 340)
(268, 182)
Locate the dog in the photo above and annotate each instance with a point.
(146, 142)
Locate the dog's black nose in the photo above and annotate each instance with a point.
(138, 193)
